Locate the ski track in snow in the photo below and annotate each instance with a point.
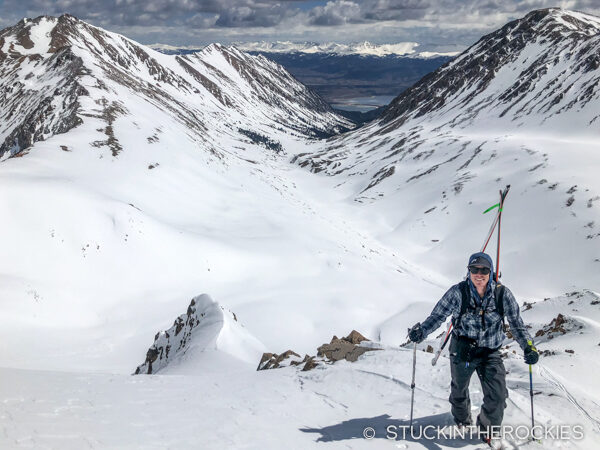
(282, 407)
(553, 380)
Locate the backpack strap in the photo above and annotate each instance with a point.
(499, 299)
(465, 300)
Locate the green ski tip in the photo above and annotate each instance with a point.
(492, 207)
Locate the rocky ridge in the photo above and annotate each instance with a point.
(55, 72)
(206, 326)
(563, 43)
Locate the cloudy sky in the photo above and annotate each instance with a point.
(437, 25)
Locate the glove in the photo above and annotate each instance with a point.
(531, 354)
(416, 333)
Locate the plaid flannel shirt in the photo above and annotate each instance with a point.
(490, 334)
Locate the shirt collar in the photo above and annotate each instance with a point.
(488, 290)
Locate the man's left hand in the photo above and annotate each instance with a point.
(531, 354)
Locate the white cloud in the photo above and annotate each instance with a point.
(338, 12)
(438, 25)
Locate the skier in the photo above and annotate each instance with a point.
(478, 308)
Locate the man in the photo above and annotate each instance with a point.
(476, 338)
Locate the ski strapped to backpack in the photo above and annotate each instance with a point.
(500, 205)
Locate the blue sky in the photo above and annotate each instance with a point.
(442, 25)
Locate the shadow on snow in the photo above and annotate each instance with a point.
(353, 429)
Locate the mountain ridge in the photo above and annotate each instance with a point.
(480, 63)
(188, 86)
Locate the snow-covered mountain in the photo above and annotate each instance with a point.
(143, 179)
(538, 70)
(519, 107)
(332, 48)
(57, 70)
(355, 77)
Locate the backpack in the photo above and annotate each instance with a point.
(466, 300)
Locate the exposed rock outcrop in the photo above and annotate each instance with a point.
(206, 326)
(274, 361)
(348, 348)
(558, 326)
(40, 88)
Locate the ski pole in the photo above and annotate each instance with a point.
(444, 341)
(531, 393)
(412, 385)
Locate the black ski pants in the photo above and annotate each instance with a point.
(492, 375)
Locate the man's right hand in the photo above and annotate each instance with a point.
(416, 333)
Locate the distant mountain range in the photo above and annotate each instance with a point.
(356, 79)
(331, 48)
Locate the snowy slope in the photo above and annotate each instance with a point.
(519, 107)
(328, 407)
(176, 181)
(111, 225)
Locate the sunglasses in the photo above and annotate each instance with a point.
(479, 270)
